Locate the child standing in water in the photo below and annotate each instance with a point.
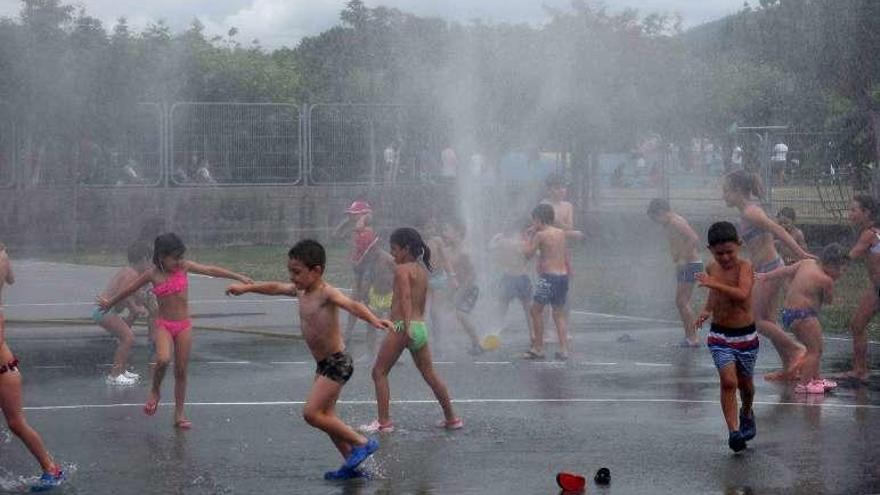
(552, 287)
(508, 249)
(413, 258)
(114, 323)
(742, 191)
(319, 304)
(379, 280)
(733, 338)
(170, 284)
(863, 212)
(812, 285)
(359, 217)
(11, 400)
(466, 293)
(683, 248)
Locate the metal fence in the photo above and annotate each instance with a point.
(235, 143)
(7, 147)
(373, 144)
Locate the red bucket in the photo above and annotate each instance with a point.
(571, 482)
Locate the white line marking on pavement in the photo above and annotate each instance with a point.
(652, 364)
(492, 362)
(624, 317)
(462, 401)
(50, 367)
(591, 363)
(226, 362)
(288, 362)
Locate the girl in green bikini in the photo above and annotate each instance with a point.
(413, 262)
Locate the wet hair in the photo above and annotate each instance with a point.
(787, 212)
(721, 232)
(167, 245)
(544, 214)
(834, 255)
(556, 180)
(869, 204)
(409, 238)
(138, 252)
(310, 253)
(658, 206)
(745, 183)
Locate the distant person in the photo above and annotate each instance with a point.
(359, 218)
(786, 217)
(683, 247)
(413, 259)
(442, 280)
(733, 339)
(448, 164)
(11, 396)
(203, 174)
(812, 285)
(508, 250)
(549, 243)
(863, 211)
(319, 304)
(168, 276)
(391, 159)
(466, 293)
(113, 322)
(742, 190)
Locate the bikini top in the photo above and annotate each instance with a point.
(875, 248)
(751, 231)
(174, 284)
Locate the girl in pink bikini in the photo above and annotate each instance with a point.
(173, 325)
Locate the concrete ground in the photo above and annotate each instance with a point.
(643, 408)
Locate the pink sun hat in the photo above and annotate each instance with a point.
(359, 208)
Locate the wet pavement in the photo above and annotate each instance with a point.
(645, 409)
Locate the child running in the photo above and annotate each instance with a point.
(174, 328)
(113, 322)
(466, 293)
(552, 287)
(733, 339)
(359, 216)
(11, 400)
(319, 304)
(379, 280)
(863, 212)
(742, 191)
(508, 249)
(683, 248)
(811, 286)
(413, 258)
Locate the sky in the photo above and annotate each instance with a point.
(284, 22)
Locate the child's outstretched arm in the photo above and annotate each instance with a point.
(787, 271)
(217, 271)
(130, 289)
(336, 297)
(758, 217)
(264, 288)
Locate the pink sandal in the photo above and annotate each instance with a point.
(455, 424)
(377, 427)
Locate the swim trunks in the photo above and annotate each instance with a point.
(686, 273)
(770, 265)
(10, 366)
(337, 367)
(790, 316)
(418, 334)
(466, 298)
(551, 289)
(515, 287)
(734, 345)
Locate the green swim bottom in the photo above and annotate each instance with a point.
(418, 334)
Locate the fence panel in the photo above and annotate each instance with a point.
(235, 143)
(373, 144)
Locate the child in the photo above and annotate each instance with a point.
(683, 248)
(733, 338)
(413, 259)
(508, 250)
(862, 214)
(169, 279)
(379, 280)
(10, 396)
(811, 286)
(359, 217)
(552, 285)
(466, 292)
(742, 190)
(786, 218)
(112, 321)
(319, 304)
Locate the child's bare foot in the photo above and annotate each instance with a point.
(793, 367)
(152, 404)
(183, 423)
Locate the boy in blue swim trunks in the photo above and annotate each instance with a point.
(733, 337)
(811, 286)
(549, 243)
(683, 248)
(319, 305)
(507, 249)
